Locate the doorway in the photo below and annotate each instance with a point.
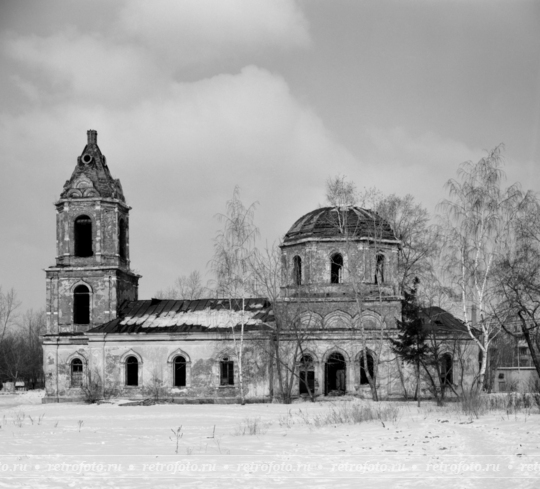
(335, 375)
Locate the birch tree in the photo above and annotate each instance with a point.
(233, 251)
(477, 219)
(342, 194)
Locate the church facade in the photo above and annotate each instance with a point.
(327, 333)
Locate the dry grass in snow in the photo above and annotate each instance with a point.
(338, 444)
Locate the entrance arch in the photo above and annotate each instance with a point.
(335, 374)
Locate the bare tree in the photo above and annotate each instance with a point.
(233, 251)
(294, 326)
(477, 220)
(188, 287)
(33, 326)
(342, 195)
(516, 302)
(8, 307)
(410, 222)
(21, 353)
(341, 192)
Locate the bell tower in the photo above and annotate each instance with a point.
(92, 277)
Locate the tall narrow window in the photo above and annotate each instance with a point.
(132, 371)
(76, 372)
(179, 372)
(379, 268)
(227, 372)
(447, 370)
(122, 239)
(81, 305)
(307, 375)
(297, 270)
(370, 368)
(336, 269)
(83, 236)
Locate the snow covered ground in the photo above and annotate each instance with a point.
(210, 446)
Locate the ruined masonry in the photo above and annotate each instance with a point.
(339, 291)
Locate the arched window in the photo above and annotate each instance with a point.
(307, 375)
(336, 269)
(226, 372)
(179, 371)
(81, 305)
(379, 268)
(447, 370)
(132, 371)
(370, 368)
(76, 372)
(335, 374)
(297, 270)
(83, 236)
(122, 239)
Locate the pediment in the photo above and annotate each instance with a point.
(82, 187)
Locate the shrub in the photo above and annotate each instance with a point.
(156, 389)
(353, 413)
(251, 426)
(475, 404)
(94, 391)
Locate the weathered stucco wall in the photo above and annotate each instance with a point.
(109, 288)
(105, 215)
(359, 261)
(156, 368)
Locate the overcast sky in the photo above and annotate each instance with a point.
(193, 97)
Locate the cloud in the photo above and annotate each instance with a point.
(198, 31)
(179, 158)
(82, 66)
(138, 54)
(419, 164)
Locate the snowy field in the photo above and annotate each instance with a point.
(264, 446)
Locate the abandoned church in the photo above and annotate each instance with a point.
(331, 328)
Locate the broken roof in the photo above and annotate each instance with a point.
(340, 223)
(438, 320)
(201, 315)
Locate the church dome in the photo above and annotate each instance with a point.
(339, 223)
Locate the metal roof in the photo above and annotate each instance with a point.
(438, 320)
(340, 223)
(183, 316)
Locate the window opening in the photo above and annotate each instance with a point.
(122, 239)
(179, 372)
(83, 236)
(335, 371)
(307, 375)
(297, 270)
(370, 367)
(76, 372)
(81, 305)
(379, 268)
(447, 368)
(336, 269)
(227, 372)
(132, 371)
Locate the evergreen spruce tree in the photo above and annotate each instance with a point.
(411, 344)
